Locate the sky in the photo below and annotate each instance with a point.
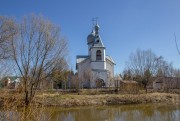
(125, 25)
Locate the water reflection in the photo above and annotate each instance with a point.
(148, 112)
(118, 113)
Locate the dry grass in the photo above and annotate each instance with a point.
(11, 102)
(86, 98)
(11, 108)
(69, 100)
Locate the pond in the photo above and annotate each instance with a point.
(148, 112)
(141, 112)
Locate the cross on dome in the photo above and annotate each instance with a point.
(95, 25)
(94, 21)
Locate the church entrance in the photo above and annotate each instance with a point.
(100, 83)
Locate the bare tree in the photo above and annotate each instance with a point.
(140, 61)
(177, 47)
(163, 68)
(143, 64)
(86, 78)
(111, 82)
(146, 79)
(176, 73)
(117, 79)
(8, 31)
(60, 73)
(127, 74)
(75, 82)
(35, 52)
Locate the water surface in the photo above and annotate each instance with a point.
(148, 112)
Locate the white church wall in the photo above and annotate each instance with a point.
(82, 68)
(110, 67)
(101, 75)
(98, 65)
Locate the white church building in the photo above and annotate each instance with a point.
(95, 69)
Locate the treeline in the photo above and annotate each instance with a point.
(145, 64)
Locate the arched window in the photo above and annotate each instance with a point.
(98, 55)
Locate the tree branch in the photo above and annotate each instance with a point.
(176, 44)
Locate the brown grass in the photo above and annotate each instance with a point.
(69, 100)
(11, 101)
(11, 107)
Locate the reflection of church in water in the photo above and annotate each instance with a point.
(95, 69)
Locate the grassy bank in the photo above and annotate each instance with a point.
(69, 100)
(88, 98)
(47, 101)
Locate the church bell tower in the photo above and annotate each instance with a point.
(96, 49)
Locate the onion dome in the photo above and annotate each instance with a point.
(91, 37)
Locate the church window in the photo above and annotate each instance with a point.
(98, 55)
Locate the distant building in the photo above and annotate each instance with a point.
(161, 83)
(10, 82)
(95, 69)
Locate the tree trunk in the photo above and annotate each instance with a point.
(145, 86)
(26, 100)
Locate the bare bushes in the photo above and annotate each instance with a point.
(13, 109)
(130, 87)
